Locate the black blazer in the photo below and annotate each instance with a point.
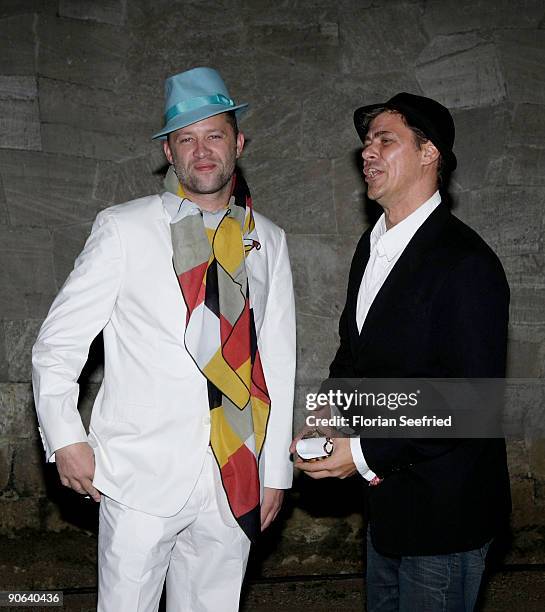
(441, 313)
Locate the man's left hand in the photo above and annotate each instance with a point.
(270, 506)
(339, 464)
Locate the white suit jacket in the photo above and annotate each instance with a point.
(150, 424)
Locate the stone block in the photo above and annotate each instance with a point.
(528, 125)
(81, 142)
(528, 166)
(6, 458)
(522, 55)
(18, 88)
(318, 281)
(309, 38)
(27, 273)
(8, 8)
(3, 359)
(525, 512)
(273, 127)
(508, 218)
(525, 269)
(524, 408)
(17, 413)
(48, 190)
(366, 35)
(137, 177)
(80, 52)
(20, 125)
(20, 337)
(296, 196)
(28, 469)
(18, 45)
(3, 206)
(88, 122)
(465, 78)
(292, 82)
(451, 16)
(537, 459)
(19, 514)
(524, 359)
(317, 342)
(481, 135)
(161, 47)
(527, 305)
(518, 459)
(68, 243)
(102, 11)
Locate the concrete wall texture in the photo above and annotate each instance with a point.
(81, 85)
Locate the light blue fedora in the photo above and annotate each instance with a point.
(193, 95)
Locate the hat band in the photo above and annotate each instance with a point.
(193, 103)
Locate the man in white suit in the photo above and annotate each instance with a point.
(187, 450)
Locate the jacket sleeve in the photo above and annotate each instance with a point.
(277, 350)
(469, 321)
(79, 312)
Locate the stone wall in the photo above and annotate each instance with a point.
(81, 86)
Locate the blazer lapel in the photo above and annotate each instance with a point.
(360, 263)
(402, 276)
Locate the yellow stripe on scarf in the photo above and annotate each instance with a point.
(218, 371)
(228, 245)
(222, 436)
(260, 414)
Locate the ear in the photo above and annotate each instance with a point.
(430, 153)
(240, 143)
(168, 152)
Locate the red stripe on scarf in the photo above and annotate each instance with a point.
(241, 481)
(259, 386)
(235, 346)
(193, 288)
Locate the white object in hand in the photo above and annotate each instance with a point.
(314, 448)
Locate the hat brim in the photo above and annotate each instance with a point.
(198, 114)
(361, 126)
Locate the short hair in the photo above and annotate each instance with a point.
(418, 135)
(232, 119)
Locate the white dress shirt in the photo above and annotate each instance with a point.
(386, 247)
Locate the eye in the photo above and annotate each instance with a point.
(215, 136)
(184, 139)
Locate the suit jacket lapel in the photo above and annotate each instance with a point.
(401, 277)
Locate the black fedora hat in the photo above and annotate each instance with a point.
(423, 113)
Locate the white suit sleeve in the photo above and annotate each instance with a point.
(277, 349)
(79, 312)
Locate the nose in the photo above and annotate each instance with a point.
(201, 149)
(369, 152)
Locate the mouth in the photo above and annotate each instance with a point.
(371, 174)
(204, 167)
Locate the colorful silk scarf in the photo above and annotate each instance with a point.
(209, 252)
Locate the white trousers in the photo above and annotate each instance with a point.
(204, 558)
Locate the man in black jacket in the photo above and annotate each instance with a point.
(427, 298)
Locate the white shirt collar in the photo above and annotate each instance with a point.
(391, 242)
(172, 204)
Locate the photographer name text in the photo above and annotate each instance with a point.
(356, 421)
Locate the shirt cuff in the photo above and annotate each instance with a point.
(359, 460)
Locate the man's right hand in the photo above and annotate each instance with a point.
(76, 466)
